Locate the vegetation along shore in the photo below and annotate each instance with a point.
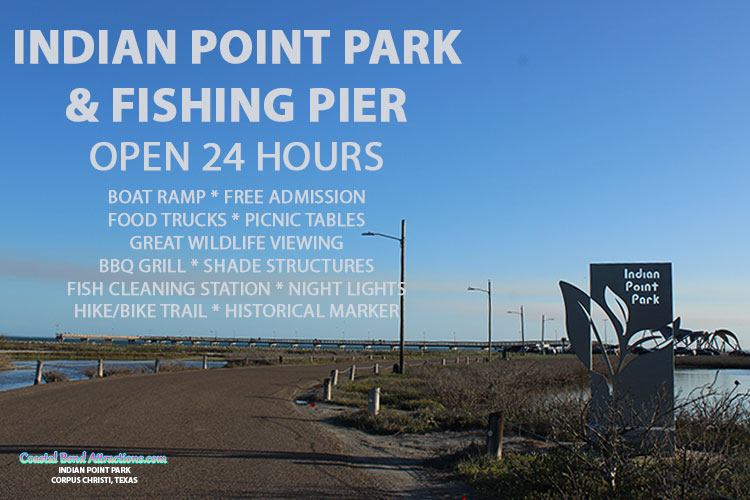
(545, 401)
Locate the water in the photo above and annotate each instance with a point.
(29, 339)
(76, 370)
(685, 380)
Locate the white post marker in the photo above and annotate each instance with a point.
(373, 401)
(38, 379)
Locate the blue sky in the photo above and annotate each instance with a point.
(571, 133)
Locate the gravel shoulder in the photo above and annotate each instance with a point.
(411, 465)
(227, 433)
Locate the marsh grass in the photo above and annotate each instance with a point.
(546, 398)
(5, 362)
(164, 366)
(711, 454)
(721, 361)
(419, 421)
(176, 366)
(557, 473)
(46, 351)
(461, 397)
(251, 359)
(51, 376)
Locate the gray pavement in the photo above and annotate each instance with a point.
(227, 433)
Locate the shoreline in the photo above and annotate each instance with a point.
(722, 361)
(24, 350)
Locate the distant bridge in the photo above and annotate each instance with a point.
(302, 343)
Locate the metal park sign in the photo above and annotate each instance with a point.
(634, 381)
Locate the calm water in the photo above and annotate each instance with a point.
(687, 380)
(684, 380)
(76, 370)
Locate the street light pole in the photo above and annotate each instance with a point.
(523, 335)
(401, 241)
(489, 315)
(544, 320)
(402, 345)
(489, 319)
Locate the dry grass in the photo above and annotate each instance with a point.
(5, 362)
(27, 350)
(712, 453)
(548, 397)
(115, 371)
(459, 397)
(54, 376)
(717, 362)
(164, 366)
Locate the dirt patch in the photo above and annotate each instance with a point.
(407, 467)
(410, 465)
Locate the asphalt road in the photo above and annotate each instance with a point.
(227, 433)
